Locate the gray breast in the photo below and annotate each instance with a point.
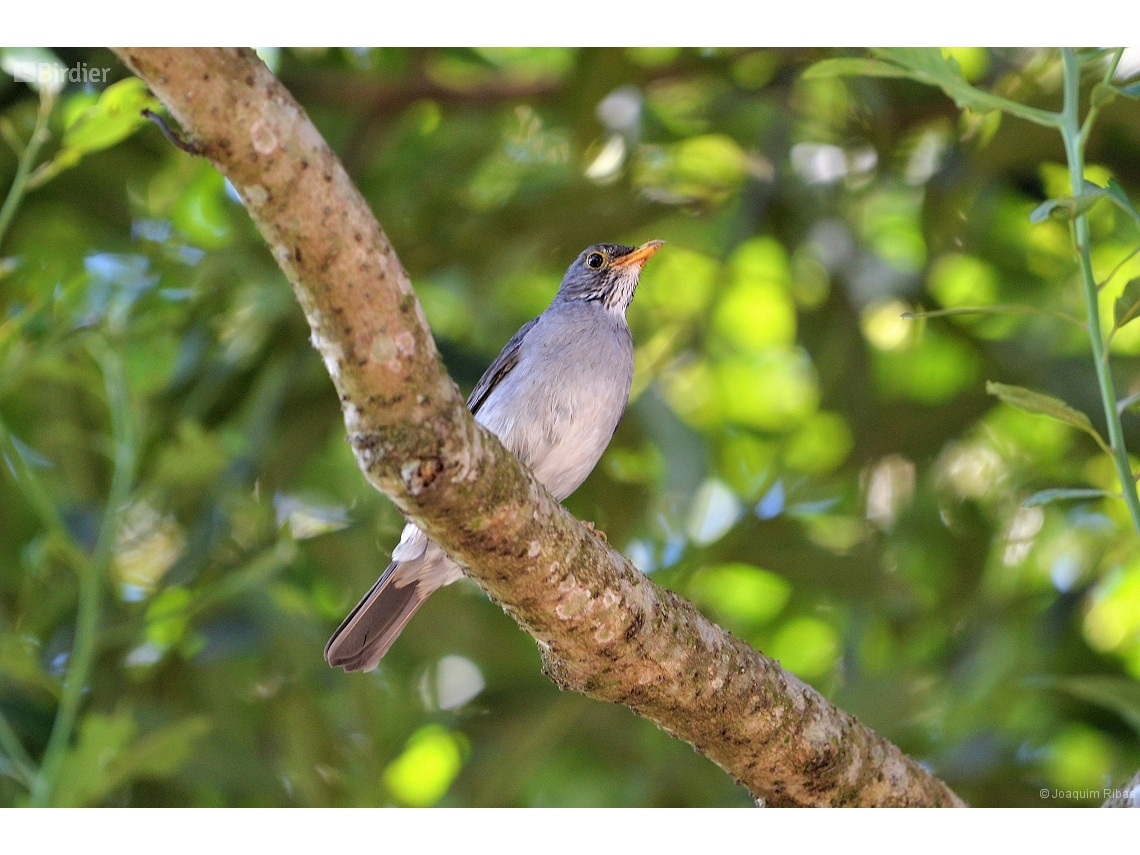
(559, 407)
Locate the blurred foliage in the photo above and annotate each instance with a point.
(819, 474)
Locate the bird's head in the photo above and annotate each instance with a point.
(607, 273)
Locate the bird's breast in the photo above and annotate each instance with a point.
(559, 407)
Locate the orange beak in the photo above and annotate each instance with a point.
(640, 255)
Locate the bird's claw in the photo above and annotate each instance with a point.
(597, 532)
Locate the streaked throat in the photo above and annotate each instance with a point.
(618, 293)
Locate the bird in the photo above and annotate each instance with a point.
(554, 396)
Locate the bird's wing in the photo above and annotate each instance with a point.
(502, 366)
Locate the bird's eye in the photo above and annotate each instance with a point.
(595, 260)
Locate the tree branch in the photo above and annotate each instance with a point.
(1127, 796)
(602, 628)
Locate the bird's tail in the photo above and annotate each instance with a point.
(369, 630)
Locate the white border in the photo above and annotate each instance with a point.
(725, 23)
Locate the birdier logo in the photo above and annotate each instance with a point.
(31, 71)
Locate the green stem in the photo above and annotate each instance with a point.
(1074, 151)
(91, 579)
(996, 309)
(27, 161)
(17, 756)
(1094, 109)
(40, 501)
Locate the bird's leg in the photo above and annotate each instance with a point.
(597, 532)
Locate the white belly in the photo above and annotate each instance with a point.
(558, 408)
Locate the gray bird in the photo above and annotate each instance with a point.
(554, 397)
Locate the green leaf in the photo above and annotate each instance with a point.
(929, 65)
(1127, 305)
(110, 120)
(979, 127)
(162, 752)
(1118, 694)
(1132, 90)
(854, 68)
(114, 117)
(1115, 192)
(168, 617)
(929, 61)
(19, 664)
(1041, 213)
(1046, 496)
(932, 67)
(1073, 206)
(1044, 405)
(1102, 94)
(107, 756)
(1070, 207)
(926, 65)
(83, 778)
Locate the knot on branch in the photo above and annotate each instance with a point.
(419, 475)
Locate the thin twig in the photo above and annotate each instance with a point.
(177, 139)
(1073, 137)
(91, 580)
(23, 764)
(27, 161)
(11, 137)
(41, 503)
(999, 309)
(1124, 403)
(1094, 109)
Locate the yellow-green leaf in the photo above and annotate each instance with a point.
(864, 67)
(1115, 192)
(1045, 405)
(1127, 304)
(1044, 497)
(115, 116)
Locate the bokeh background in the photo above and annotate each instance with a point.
(820, 475)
